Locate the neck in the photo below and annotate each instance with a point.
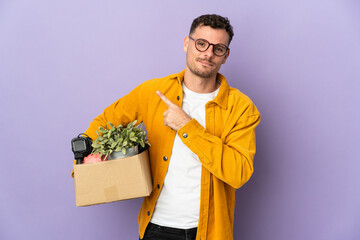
(198, 84)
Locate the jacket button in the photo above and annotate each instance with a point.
(165, 158)
(178, 98)
(158, 186)
(185, 135)
(148, 213)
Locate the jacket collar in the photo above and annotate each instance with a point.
(221, 98)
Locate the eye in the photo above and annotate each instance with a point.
(201, 43)
(220, 49)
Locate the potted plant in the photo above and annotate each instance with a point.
(120, 141)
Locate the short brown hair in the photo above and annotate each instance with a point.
(213, 21)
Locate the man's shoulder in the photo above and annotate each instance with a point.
(155, 82)
(241, 100)
(236, 94)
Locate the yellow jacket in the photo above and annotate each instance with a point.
(225, 148)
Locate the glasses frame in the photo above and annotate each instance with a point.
(214, 45)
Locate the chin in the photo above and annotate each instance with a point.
(204, 74)
(201, 71)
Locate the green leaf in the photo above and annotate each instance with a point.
(102, 130)
(95, 145)
(119, 138)
(113, 145)
(123, 150)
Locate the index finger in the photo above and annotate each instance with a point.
(167, 101)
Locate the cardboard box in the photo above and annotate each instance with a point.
(112, 180)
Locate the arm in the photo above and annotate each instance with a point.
(230, 159)
(123, 111)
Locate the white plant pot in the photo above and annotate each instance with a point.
(119, 154)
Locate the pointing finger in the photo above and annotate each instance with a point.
(167, 101)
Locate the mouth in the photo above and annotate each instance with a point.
(205, 62)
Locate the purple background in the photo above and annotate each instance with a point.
(63, 62)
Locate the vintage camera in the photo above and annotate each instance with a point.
(81, 147)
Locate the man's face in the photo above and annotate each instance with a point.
(205, 64)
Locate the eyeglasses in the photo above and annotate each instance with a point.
(202, 45)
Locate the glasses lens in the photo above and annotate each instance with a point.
(219, 49)
(201, 45)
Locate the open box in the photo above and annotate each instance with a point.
(112, 180)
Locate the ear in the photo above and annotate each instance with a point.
(186, 43)
(226, 56)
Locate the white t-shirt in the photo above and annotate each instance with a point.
(178, 204)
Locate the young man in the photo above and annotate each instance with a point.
(202, 135)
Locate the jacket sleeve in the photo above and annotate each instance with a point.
(123, 111)
(229, 158)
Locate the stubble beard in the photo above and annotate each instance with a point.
(201, 73)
